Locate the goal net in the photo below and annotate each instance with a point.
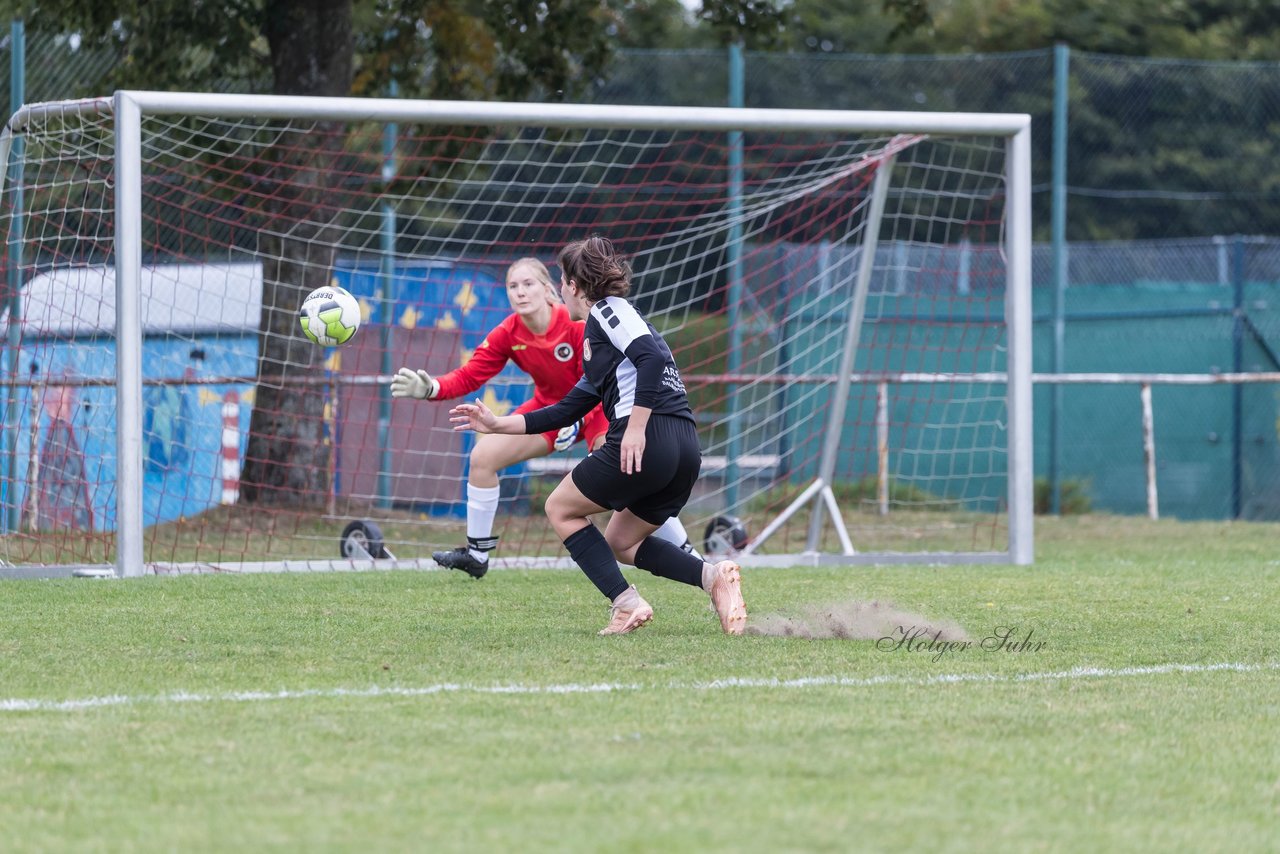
(846, 295)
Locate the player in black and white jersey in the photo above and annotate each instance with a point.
(650, 460)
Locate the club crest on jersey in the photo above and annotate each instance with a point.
(564, 351)
(586, 350)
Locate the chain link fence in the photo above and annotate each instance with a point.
(1167, 160)
(58, 67)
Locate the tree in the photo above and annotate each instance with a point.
(757, 24)
(854, 26)
(457, 49)
(443, 48)
(310, 46)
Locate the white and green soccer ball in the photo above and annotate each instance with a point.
(330, 316)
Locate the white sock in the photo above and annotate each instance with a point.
(672, 531)
(482, 506)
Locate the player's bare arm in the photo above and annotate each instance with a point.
(478, 418)
(633, 439)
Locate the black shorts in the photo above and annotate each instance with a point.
(668, 470)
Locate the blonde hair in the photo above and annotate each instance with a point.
(539, 272)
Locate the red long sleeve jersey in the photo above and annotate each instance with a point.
(553, 360)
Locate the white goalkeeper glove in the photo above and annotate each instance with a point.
(410, 383)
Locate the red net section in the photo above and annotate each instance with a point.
(261, 446)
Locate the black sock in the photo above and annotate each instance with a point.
(590, 552)
(667, 560)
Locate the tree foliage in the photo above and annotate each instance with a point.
(457, 49)
(163, 44)
(472, 49)
(757, 24)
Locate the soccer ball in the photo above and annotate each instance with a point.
(330, 316)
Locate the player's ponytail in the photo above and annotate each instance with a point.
(599, 269)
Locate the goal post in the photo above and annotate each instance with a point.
(879, 373)
(130, 559)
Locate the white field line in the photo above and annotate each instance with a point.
(1076, 673)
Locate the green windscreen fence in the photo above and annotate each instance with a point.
(1184, 306)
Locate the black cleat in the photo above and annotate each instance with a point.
(460, 558)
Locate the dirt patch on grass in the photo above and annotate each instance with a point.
(854, 621)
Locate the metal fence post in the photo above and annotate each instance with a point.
(733, 296)
(1058, 227)
(10, 517)
(1237, 366)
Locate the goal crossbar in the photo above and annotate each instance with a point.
(511, 114)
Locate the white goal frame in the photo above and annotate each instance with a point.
(130, 107)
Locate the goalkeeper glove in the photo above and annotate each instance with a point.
(410, 383)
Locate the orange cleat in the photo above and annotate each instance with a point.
(629, 618)
(726, 598)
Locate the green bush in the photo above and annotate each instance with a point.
(1073, 498)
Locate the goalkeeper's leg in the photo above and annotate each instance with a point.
(491, 454)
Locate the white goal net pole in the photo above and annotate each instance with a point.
(128, 248)
(1018, 323)
(719, 119)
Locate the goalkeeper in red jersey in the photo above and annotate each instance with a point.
(545, 343)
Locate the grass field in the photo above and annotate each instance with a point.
(424, 711)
